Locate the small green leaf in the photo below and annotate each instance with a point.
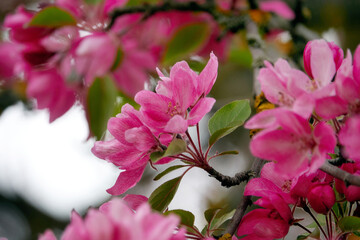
(301, 237)
(228, 118)
(168, 170)
(210, 214)
(186, 217)
(101, 104)
(228, 153)
(349, 224)
(119, 57)
(93, 2)
(176, 147)
(162, 196)
(186, 40)
(321, 219)
(221, 217)
(357, 233)
(52, 17)
(221, 133)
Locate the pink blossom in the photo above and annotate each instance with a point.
(321, 60)
(264, 224)
(349, 138)
(352, 193)
(289, 140)
(167, 110)
(321, 198)
(10, 61)
(287, 87)
(19, 31)
(115, 220)
(129, 150)
(49, 89)
(278, 7)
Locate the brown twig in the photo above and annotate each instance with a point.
(227, 181)
(348, 178)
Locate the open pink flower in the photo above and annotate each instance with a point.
(115, 220)
(129, 150)
(167, 110)
(287, 87)
(289, 140)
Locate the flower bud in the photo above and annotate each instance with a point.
(337, 53)
(321, 198)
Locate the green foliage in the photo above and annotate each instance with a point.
(241, 56)
(349, 224)
(52, 17)
(160, 199)
(216, 217)
(227, 119)
(176, 147)
(103, 101)
(186, 217)
(139, 2)
(93, 2)
(185, 41)
(168, 170)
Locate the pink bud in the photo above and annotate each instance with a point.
(321, 50)
(321, 198)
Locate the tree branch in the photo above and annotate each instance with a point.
(227, 181)
(245, 201)
(348, 178)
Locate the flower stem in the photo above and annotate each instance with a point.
(299, 225)
(307, 209)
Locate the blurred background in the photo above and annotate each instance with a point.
(47, 170)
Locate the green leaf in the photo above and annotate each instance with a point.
(176, 147)
(349, 224)
(119, 57)
(186, 217)
(210, 214)
(162, 196)
(242, 57)
(168, 170)
(186, 40)
(227, 119)
(228, 153)
(156, 156)
(93, 2)
(221, 217)
(138, 2)
(321, 219)
(52, 17)
(101, 104)
(301, 237)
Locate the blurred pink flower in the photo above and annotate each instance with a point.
(115, 220)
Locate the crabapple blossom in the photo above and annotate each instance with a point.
(115, 220)
(167, 109)
(289, 140)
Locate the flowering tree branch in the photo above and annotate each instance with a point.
(227, 181)
(348, 178)
(245, 201)
(232, 23)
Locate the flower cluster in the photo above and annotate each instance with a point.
(317, 115)
(60, 59)
(329, 91)
(179, 102)
(116, 220)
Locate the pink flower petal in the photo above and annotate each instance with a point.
(176, 124)
(203, 106)
(126, 180)
(322, 62)
(208, 75)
